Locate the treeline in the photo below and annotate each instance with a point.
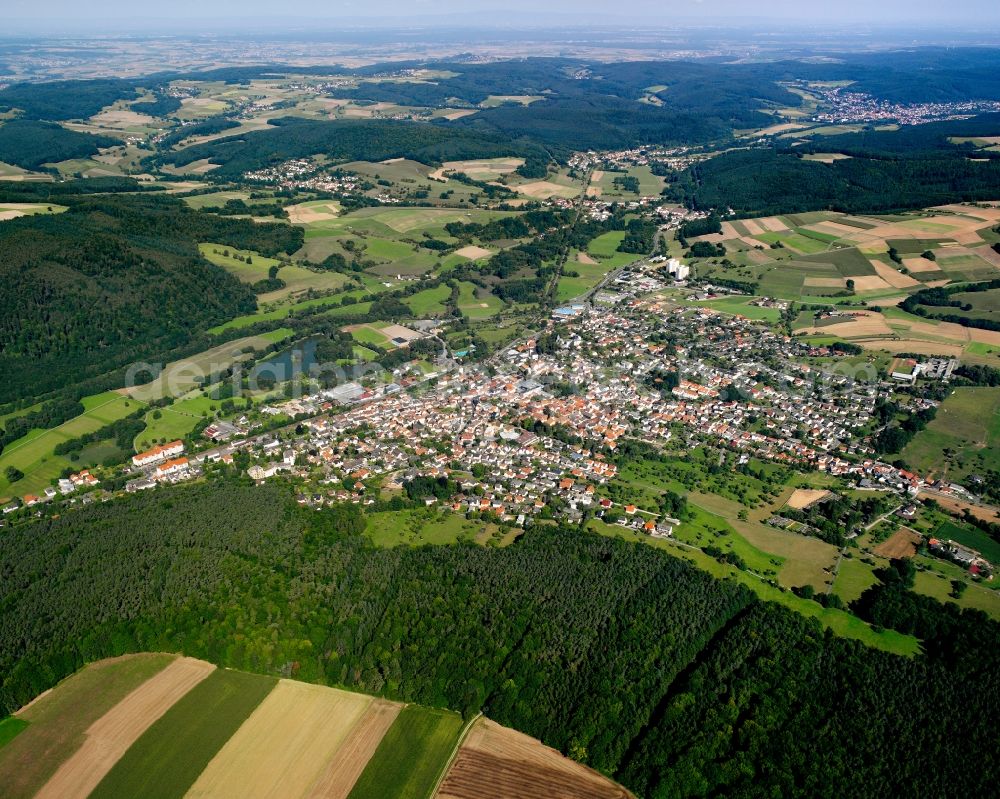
(51, 414)
(209, 127)
(121, 431)
(161, 106)
(893, 437)
(699, 227)
(640, 237)
(618, 654)
(70, 191)
(65, 99)
(836, 519)
(941, 297)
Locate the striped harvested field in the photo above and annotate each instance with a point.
(496, 761)
(283, 749)
(161, 726)
(351, 758)
(110, 736)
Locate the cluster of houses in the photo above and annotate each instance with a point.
(164, 463)
(530, 434)
(964, 556)
(302, 173)
(66, 485)
(745, 387)
(676, 158)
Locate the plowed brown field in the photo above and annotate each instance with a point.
(495, 761)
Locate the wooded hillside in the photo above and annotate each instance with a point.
(618, 654)
(114, 280)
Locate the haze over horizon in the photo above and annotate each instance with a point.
(219, 16)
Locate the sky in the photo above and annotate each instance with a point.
(62, 15)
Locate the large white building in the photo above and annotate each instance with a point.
(157, 454)
(678, 270)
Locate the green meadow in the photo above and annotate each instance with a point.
(34, 454)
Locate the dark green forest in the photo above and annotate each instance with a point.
(618, 654)
(29, 144)
(65, 99)
(914, 167)
(112, 281)
(367, 140)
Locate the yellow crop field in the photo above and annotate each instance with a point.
(285, 746)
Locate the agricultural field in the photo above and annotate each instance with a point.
(57, 721)
(34, 454)
(495, 761)
(485, 169)
(894, 330)
(250, 267)
(167, 759)
(17, 174)
(389, 237)
(412, 180)
(412, 755)
(275, 312)
(285, 744)
(813, 255)
(15, 210)
(985, 305)
(111, 735)
(165, 727)
(10, 727)
(901, 544)
(589, 273)
(430, 303)
(740, 306)
(555, 184)
(603, 185)
(604, 250)
(962, 439)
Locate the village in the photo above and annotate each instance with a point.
(535, 430)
